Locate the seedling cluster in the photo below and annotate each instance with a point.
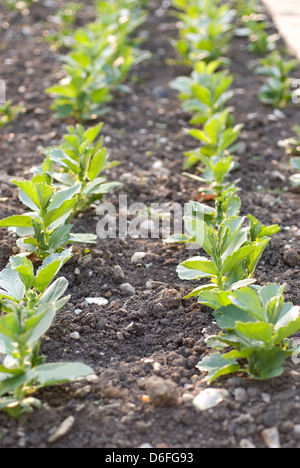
(67, 182)
(100, 58)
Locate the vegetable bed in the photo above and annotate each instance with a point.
(145, 343)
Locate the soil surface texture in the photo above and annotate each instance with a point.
(147, 340)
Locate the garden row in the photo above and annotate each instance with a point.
(67, 182)
(256, 322)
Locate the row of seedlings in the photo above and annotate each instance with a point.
(69, 180)
(255, 320)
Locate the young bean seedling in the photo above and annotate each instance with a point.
(277, 89)
(234, 253)
(45, 229)
(20, 284)
(79, 161)
(205, 92)
(257, 324)
(227, 205)
(61, 30)
(101, 57)
(217, 144)
(206, 29)
(24, 371)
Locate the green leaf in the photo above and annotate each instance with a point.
(58, 373)
(216, 365)
(258, 230)
(177, 238)
(17, 221)
(267, 364)
(242, 284)
(9, 331)
(49, 269)
(39, 323)
(268, 292)
(54, 217)
(25, 269)
(255, 254)
(199, 289)
(44, 192)
(286, 331)
(63, 196)
(10, 281)
(288, 314)
(214, 298)
(54, 291)
(197, 267)
(91, 133)
(202, 93)
(65, 91)
(84, 238)
(10, 385)
(81, 58)
(101, 188)
(64, 178)
(258, 331)
(295, 163)
(228, 316)
(60, 237)
(28, 194)
(237, 257)
(198, 229)
(97, 164)
(61, 158)
(248, 300)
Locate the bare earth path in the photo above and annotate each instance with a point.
(286, 14)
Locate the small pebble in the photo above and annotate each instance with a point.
(75, 336)
(162, 392)
(210, 398)
(101, 301)
(246, 443)
(266, 397)
(187, 398)
(240, 395)
(271, 437)
(297, 430)
(63, 429)
(138, 257)
(127, 289)
(85, 260)
(291, 257)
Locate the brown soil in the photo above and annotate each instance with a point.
(154, 332)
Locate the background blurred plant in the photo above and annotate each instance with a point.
(277, 90)
(62, 24)
(8, 112)
(101, 56)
